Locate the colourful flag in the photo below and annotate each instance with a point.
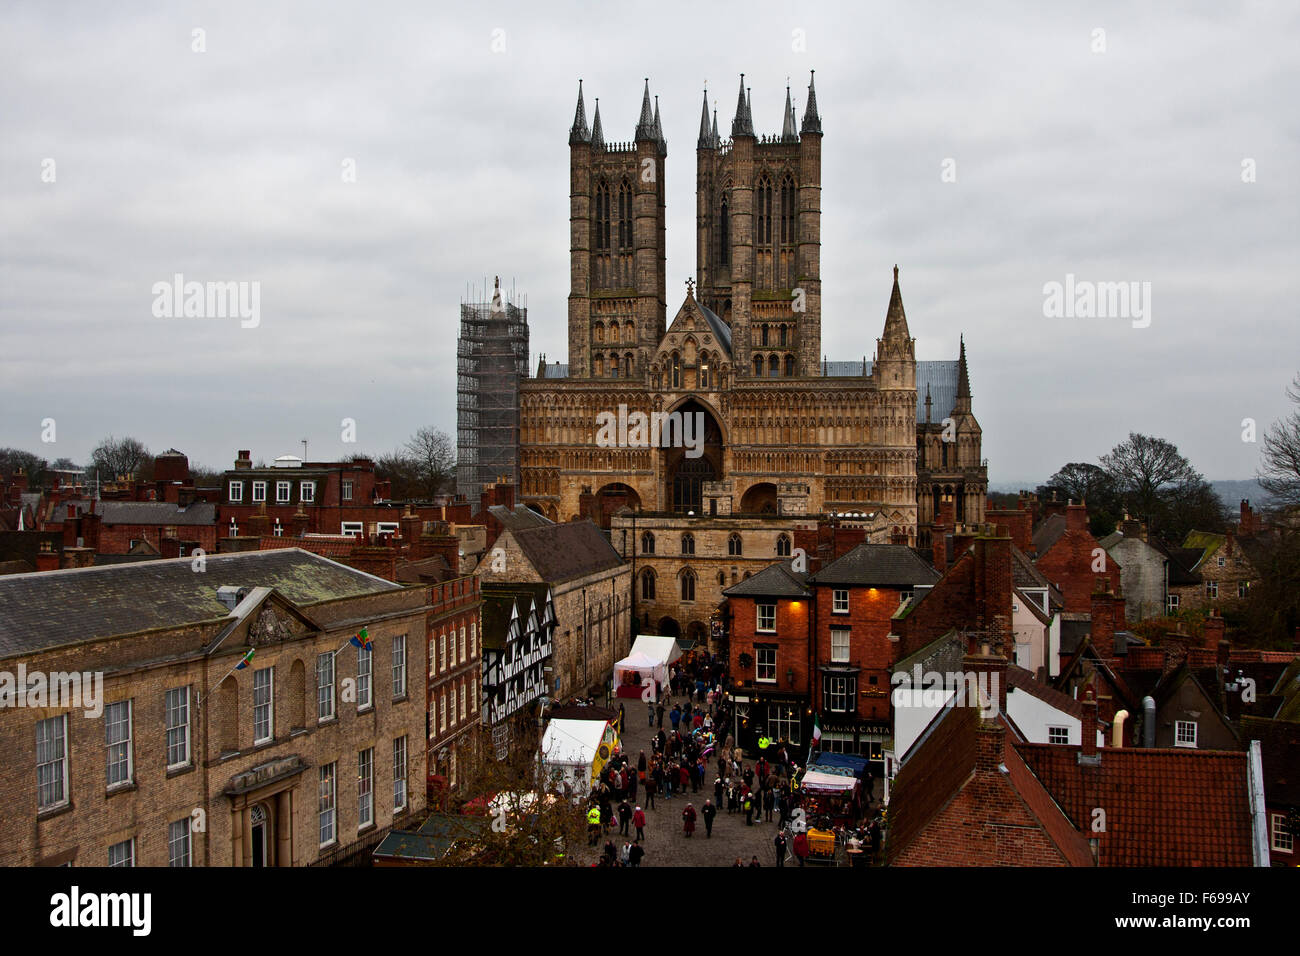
(247, 657)
(817, 730)
(362, 640)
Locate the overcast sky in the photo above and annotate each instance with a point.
(1122, 165)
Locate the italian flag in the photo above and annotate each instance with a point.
(817, 730)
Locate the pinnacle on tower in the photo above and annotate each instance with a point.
(812, 121)
(645, 127)
(788, 134)
(659, 132)
(579, 132)
(895, 318)
(717, 140)
(706, 139)
(743, 124)
(597, 134)
(963, 376)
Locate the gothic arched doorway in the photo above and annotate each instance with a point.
(669, 627)
(692, 443)
(760, 499)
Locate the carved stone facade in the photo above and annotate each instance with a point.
(769, 427)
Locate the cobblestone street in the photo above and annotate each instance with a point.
(665, 842)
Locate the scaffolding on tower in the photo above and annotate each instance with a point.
(492, 359)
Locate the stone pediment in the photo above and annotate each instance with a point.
(264, 774)
(276, 621)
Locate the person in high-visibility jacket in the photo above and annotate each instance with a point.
(593, 826)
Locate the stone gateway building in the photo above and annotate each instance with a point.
(758, 422)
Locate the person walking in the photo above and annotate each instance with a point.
(748, 803)
(625, 855)
(659, 714)
(800, 846)
(779, 843)
(688, 820)
(624, 818)
(717, 791)
(708, 812)
(635, 854)
(675, 716)
(650, 704)
(638, 821)
(593, 825)
(769, 801)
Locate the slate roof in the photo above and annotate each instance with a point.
(143, 512)
(519, 517)
(877, 565)
(55, 608)
(562, 552)
(1024, 574)
(776, 580)
(1163, 807)
(1279, 744)
(1047, 533)
(498, 603)
(1024, 680)
(438, 834)
(720, 328)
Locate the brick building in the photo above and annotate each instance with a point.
(307, 755)
(1071, 558)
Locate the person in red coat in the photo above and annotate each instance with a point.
(638, 821)
(800, 847)
(688, 819)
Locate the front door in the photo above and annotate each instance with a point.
(261, 835)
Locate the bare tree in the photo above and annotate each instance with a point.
(113, 457)
(434, 457)
(1280, 472)
(1144, 470)
(33, 466)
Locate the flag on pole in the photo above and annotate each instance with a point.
(362, 640)
(246, 658)
(817, 730)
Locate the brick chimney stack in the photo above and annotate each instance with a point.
(244, 460)
(299, 522)
(993, 585)
(1103, 619)
(1076, 517)
(1088, 734)
(1053, 506)
(1212, 631)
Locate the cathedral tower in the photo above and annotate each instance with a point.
(617, 247)
(758, 237)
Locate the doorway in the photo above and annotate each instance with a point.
(261, 829)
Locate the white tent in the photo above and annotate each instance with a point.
(571, 749)
(661, 649)
(649, 657)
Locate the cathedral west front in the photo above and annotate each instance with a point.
(785, 433)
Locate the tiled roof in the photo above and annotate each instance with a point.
(331, 547)
(1047, 533)
(54, 608)
(143, 512)
(519, 517)
(1279, 742)
(1163, 807)
(932, 775)
(775, 580)
(500, 602)
(561, 552)
(1024, 680)
(878, 565)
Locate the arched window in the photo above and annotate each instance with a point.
(598, 332)
(787, 210)
(688, 585)
(734, 548)
(758, 366)
(647, 585)
(704, 370)
(647, 542)
(629, 332)
(602, 216)
(624, 217)
(627, 364)
(613, 366)
(783, 546)
(677, 371)
(763, 336)
(722, 579)
(773, 366)
(763, 199)
(789, 366)
(688, 543)
(783, 335)
(599, 367)
(724, 236)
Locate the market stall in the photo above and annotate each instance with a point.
(646, 663)
(574, 751)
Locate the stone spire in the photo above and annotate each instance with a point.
(579, 133)
(743, 124)
(706, 138)
(812, 122)
(895, 319)
(963, 380)
(788, 133)
(717, 140)
(645, 127)
(659, 132)
(597, 134)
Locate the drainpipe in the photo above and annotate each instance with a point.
(1117, 731)
(1148, 721)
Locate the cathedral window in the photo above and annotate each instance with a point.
(724, 237)
(598, 332)
(677, 371)
(783, 328)
(787, 210)
(758, 366)
(648, 585)
(783, 546)
(764, 336)
(704, 372)
(602, 216)
(688, 543)
(613, 366)
(688, 585)
(773, 366)
(789, 366)
(647, 542)
(624, 217)
(598, 369)
(734, 547)
(627, 364)
(764, 197)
